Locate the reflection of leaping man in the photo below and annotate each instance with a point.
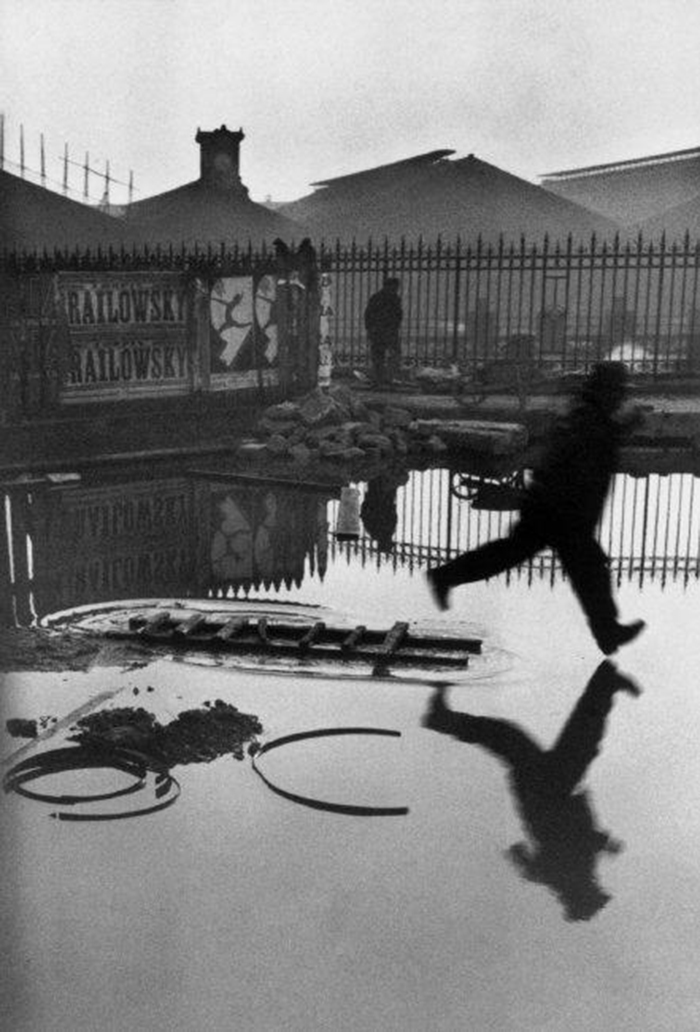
(564, 841)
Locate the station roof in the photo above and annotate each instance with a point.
(34, 218)
(632, 192)
(430, 195)
(197, 213)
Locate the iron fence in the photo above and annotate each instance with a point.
(556, 307)
(551, 307)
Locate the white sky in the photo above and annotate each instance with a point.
(325, 87)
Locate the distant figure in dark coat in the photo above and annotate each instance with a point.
(565, 842)
(561, 508)
(379, 509)
(383, 316)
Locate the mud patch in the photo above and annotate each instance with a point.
(23, 648)
(195, 736)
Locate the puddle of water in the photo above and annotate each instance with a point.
(237, 905)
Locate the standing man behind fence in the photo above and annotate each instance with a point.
(383, 316)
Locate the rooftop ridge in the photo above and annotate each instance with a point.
(429, 157)
(613, 166)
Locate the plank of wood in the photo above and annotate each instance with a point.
(156, 623)
(394, 639)
(190, 625)
(353, 638)
(231, 628)
(312, 635)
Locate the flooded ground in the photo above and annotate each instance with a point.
(497, 897)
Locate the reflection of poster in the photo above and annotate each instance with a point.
(263, 536)
(243, 321)
(125, 540)
(240, 551)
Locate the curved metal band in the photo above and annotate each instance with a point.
(320, 804)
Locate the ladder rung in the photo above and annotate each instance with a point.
(155, 623)
(312, 635)
(394, 638)
(349, 643)
(190, 625)
(232, 628)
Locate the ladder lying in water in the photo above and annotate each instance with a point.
(263, 635)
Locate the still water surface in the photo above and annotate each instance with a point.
(236, 907)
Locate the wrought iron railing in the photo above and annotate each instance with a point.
(557, 307)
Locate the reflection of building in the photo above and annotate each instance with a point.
(143, 538)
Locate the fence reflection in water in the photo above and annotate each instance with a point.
(74, 546)
(650, 528)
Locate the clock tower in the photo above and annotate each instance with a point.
(219, 159)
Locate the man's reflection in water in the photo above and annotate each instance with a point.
(378, 511)
(564, 841)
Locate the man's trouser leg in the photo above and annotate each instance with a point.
(588, 569)
(378, 362)
(524, 541)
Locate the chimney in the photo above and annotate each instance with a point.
(219, 159)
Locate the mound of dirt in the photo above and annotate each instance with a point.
(195, 736)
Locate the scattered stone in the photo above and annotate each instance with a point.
(324, 433)
(476, 436)
(352, 454)
(252, 450)
(436, 445)
(285, 412)
(277, 445)
(319, 409)
(273, 426)
(20, 728)
(379, 441)
(300, 453)
(396, 417)
(330, 450)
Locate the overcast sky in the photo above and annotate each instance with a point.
(326, 87)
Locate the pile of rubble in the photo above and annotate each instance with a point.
(335, 425)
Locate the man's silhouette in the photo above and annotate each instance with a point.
(378, 512)
(561, 508)
(564, 841)
(383, 316)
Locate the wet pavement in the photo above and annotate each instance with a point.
(237, 906)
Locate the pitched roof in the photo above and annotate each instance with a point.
(34, 218)
(380, 172)
(633, 191)
(429, 196)
(198, 213)
(675, 222)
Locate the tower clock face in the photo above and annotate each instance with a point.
(223, 163)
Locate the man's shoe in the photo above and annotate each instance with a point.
(621, 634)
(438, 590)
